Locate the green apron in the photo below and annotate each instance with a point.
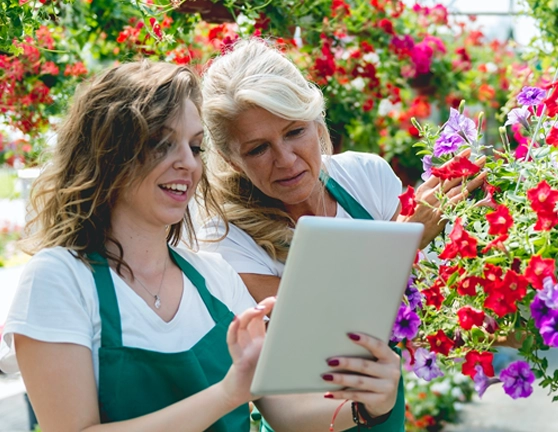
(134, 382)
(396, 421)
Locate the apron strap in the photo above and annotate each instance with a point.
(111, 327)
(344, 198)
(214, 306)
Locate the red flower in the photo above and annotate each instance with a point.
(458, 167)
(386, 25)
(498, 242)
(465, 243)
(473, 358)
(500, 221)
(340, 7)
(449, 252)
(468, 317)
(434, 296)
(440, 343)
(468, 285)
(500, 303)
(546, 221)
(552, 137)
(538, 269)
(514, 285)
(551, 102)
(408, 203)
(156, 27)
(543, 198)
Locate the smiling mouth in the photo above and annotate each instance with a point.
(176, 188)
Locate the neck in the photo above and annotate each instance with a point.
(145, 247)
(319, 203)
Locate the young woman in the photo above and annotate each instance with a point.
(271, 165)
(113, 327)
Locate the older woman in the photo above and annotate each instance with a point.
(271, 164)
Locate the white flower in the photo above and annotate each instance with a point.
(358, 83)
(491, 67)
(371, 57)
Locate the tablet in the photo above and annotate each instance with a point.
(341, 276)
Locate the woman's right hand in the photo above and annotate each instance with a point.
(245, 339)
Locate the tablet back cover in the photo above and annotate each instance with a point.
(341, 276)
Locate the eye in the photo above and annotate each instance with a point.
(259, 149)
(295, 132)
(196, 150)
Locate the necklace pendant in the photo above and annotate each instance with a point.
(157, 302)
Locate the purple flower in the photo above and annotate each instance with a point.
(518, 115)
(539, 311)
(549, 329)
(413, 295)
(531, 96)
(518, 379)
(482, 382)
(460, 125)
(427, 167)
(425, 365)
(549, 293)
(447, 143)
(406, 324)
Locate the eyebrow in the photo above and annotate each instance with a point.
(255, 140)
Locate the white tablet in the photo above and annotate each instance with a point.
(341, 276)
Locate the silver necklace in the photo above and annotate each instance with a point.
(157, 297)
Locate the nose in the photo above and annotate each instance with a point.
(284, 156)
(184, 158)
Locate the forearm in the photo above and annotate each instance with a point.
(305, 413)
(196, 413)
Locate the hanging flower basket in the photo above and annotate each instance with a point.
(209, 11)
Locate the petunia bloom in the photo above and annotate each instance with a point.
(518, 379)
(500, 221)
(427, 167)
(482, 382)
(549, 329)
(518, 116)
(552, 137)
(540, 311)
(425, 365)
(447, 143)
(440, 343)
(469, 317)
(414, 297)
(531, 96)
(408, 203)
(406, 324)
(538, 269)
(474, 358)
(549, 293)
(460, 125)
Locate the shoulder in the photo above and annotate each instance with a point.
(355, 162)
(56, 262)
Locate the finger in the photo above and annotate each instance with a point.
(259, 311)
(352, 383)
(366, 367)
(379, 349)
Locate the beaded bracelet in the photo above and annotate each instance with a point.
(359, 412)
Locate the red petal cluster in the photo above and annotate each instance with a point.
(473, 358)
(538, 269)
(543, 201)
(461, 243)
(458, 167)
(408, 203)
(500, 221)
(468, 317)
(440, 343)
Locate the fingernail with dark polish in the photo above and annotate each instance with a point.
(333, 362)
(328, 396)
(327, 377)
(353, 336)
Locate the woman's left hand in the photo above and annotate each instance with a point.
(371, 382)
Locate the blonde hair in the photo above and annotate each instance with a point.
(111, 137)
(254, 74)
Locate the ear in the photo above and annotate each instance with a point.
(229, 161)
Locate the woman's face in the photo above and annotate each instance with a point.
(281, 157)
(162, 195)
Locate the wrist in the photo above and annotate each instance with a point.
(231, 396)
(362, 417)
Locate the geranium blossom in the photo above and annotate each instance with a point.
(518, 379)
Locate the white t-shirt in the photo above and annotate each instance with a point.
(366, 177)
(56, 301)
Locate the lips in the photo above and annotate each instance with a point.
(291, 179)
